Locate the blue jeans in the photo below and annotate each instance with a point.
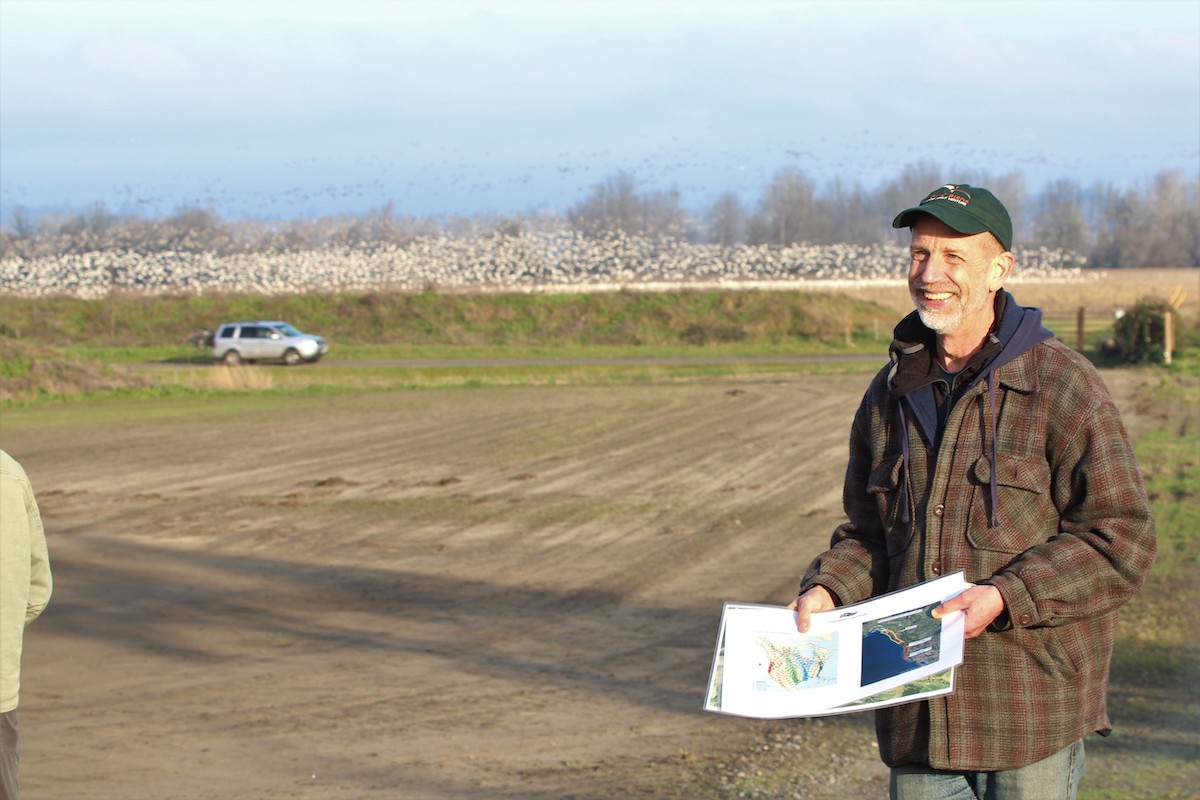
(1053, 778)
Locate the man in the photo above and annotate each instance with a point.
(989, 447)
(24, 591)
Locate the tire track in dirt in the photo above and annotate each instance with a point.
(462, 593)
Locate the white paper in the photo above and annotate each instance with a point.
(879, 652)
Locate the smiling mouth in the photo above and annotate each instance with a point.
(937, 297)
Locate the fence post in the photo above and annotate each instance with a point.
(1080, 317)
(1168, 335)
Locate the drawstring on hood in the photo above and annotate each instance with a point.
(905, 492)
(918, 388)
(992, 485)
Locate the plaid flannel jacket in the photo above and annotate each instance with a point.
(1072, 539)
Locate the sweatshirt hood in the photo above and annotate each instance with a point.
(913, 351)
(915, 371)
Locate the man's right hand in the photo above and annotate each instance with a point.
(815, 599)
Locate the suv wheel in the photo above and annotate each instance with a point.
(232, 358)
(291, 357)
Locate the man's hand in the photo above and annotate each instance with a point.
(815, 599)
(982, 604)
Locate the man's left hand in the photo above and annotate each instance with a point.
(982, 604)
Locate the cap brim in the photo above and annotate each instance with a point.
(947, 213)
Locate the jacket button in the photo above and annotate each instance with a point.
(939, 509)
(936, 569)
(1026, 619)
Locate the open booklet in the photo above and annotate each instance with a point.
(880, 652)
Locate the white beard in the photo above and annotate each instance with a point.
(945, 321)
(948, 319)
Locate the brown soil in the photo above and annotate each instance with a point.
(491, 593)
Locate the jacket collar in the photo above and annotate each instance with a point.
(915, 372)
(914, 349)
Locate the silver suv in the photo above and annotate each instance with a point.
(261, 340)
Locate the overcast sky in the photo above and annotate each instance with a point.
(277, 109)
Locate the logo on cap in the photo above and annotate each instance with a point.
(949, 192)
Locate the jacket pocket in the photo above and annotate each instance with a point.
(1023, 512)
(886, 485)
(1047, 653)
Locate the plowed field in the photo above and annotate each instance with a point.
(473, 593)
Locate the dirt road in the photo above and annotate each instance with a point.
(492, 593)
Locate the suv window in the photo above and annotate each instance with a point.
(250, 332)
(227, 332)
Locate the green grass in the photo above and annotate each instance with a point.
(1154, 751)
(349, 352)
(56, 348)
(547, 320)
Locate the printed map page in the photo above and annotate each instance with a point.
(884, 651)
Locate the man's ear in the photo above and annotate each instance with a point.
(1001, 268)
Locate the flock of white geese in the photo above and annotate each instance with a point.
(558, 261)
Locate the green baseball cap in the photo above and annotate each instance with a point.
(966, 209)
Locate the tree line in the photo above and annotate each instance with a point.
(1153, 224)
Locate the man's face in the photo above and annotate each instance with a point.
(950, 276)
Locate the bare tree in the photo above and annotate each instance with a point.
(847, 213)
(726, 220)
(24, 226)
(1172, 222)
(612, 205)
(785, 214)
(663, 215)
(1010, 188)
(914, 182)
(99, 220)
(615, 205)
(1115, 215)
(1060, 222)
